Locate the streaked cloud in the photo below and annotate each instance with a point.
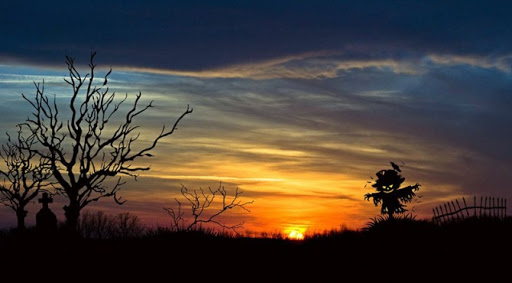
(306, 66)
(324, 65)
(502, 63)
(218, 178)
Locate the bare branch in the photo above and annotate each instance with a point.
(204, 210)
(178, 222)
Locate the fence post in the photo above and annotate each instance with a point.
(501, 203)
(497, 207)
(460, 210)
(447, 213)
(489, 210)
(501, 209)
(481, 205)
(445, 218)
(489, 207)
(465, 206)
(474, 206)
(493, 207)
(439, 214)
(455, 211)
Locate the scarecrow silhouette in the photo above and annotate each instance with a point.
(389, 193)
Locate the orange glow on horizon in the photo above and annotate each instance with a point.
(290, 195)
(295, 233)
(283, 199)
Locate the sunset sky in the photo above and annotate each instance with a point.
(297, 103)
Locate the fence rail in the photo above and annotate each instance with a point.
(455, 210)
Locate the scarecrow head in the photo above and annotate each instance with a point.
(388, 180)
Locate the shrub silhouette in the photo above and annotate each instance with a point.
(99, 225)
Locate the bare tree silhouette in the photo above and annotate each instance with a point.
(25, 173)
(203, 210)
(84, 153)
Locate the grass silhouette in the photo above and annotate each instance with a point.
(400, 248)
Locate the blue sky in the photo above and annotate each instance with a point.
(296, 102)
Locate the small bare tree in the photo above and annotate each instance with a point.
(203, 208)
(83, 151)
(95, 225)
(128, 226)
(24, 174)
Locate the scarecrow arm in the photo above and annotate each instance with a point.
(377, 198)
(406, 194)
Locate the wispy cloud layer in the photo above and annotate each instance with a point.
(307, 66)
(502, 63)
(324, 65)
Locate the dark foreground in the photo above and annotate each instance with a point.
(405, 251)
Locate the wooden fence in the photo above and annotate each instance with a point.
(455, 210)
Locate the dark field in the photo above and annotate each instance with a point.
(390, 251)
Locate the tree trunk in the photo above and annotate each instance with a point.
(72, 213)
(21, 213)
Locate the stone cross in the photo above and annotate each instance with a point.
(46, 221)
(45, 200)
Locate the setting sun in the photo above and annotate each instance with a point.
(295, 233)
